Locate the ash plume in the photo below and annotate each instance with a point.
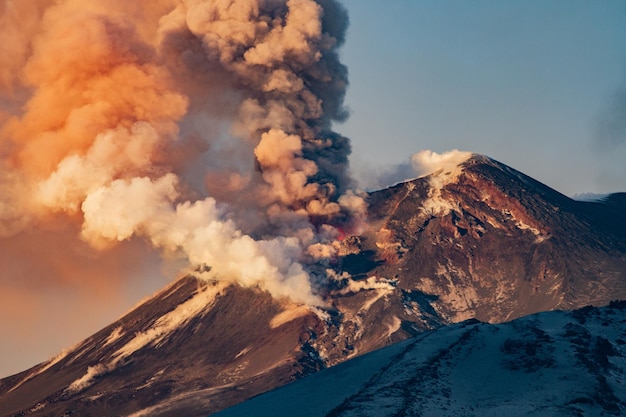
(202, 127)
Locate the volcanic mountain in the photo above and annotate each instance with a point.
(475, 240)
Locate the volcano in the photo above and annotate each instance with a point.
(475, 241)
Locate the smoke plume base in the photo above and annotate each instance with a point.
(420, 164)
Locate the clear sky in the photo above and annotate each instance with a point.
(534, 84)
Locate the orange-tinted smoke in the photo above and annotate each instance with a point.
(89, 73)
(184, 123)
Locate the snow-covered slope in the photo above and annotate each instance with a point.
(548, 364)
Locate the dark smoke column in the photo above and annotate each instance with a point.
(280, 61)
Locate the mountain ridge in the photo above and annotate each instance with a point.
(486, 205)
(549, 363)
(478, 240)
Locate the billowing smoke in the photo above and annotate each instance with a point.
(427, 162)
(200, 126)
(422, 163)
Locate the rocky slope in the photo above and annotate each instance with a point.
(488, 242)
(186, 351)
(548, 364)
(479, 240)
(194, 348)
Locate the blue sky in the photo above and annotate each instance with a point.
(526, 82)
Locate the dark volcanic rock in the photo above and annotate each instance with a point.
(491, 243)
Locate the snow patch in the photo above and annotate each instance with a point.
(462, 299)
(37, 407)
(243, 352)
(115, 335)
(290, 314)
(590, 197)
(151, 380)
(58, 358)
(523, 226)
(169, 322)
(320, 313)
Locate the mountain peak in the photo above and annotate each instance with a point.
(481, 230)
(428, 162)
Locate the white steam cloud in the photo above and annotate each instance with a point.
(427, 162)
(201, 126)
(421, 164)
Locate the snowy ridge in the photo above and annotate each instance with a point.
(202, 300)
(547, 364)
(114, 336)
(591, 197)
